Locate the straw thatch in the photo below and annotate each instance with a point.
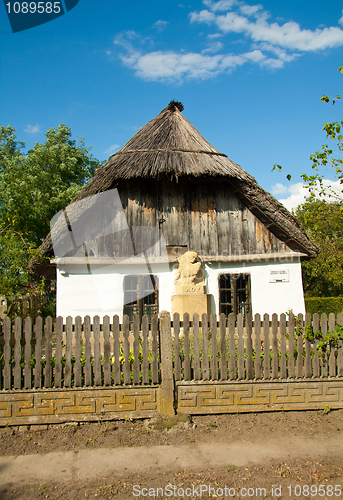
(170, 147)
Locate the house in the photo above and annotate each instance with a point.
(167, 201)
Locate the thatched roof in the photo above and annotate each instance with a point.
(170, 147)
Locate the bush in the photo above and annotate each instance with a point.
(324, 305)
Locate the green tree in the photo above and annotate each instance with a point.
(322, 221)
(33, 187)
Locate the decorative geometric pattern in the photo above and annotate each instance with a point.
(22, 408)
(233, 397)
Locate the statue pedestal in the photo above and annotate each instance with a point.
(191, 303)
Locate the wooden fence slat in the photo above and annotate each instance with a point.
(214, 347)
(315, 359)
(340, 348)
(196, 348)
(68, 352)
(77, 351)
(205, 361)
(177, 362)
(332, 358)
(7, 355)
(223, 360)
(308, 367)
(249, 362)
(266, 347)
(38, 353)
(232, 347)
(17, 354)
(126, 351)
(275, 360)
(300, 358)
(283, 372)
(107, 350)
(186, 347)
(324, 356)
(88, 351)
(136, 347)
(145, 332)
(291, 361)
(58, 364)
(240, 320)
(258, 360)
(116, 351)
(28, 353)
(97, 360)
(155, 354)
(48, 352)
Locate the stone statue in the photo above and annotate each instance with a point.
(189, 277)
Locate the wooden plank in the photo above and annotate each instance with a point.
(116, 351)
(266, 347)
(68, 352)
(214, 347)
(291, 361)
(275, 360)
(196, 348)
(97, 356)
(283, 371)
(126, 351)
(7, 354)
(136, 349)
(177, 365)
(300, 358)
(249, 362)
(186, 347)
(107, 350)
(155, 356)
(38, 353)
(340, 348)
(77, 352)
(258, 360)
(28, 353)
(48, 353)
(332, 356)
(223, 359)
(232, 347)
(17, 354)
(241, 374)
(315, 359)
(324, 356)
(145, 365)
(205, 360)
(308, 367)
(58, 365)
(88, 351)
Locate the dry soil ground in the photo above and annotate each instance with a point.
(252, 455)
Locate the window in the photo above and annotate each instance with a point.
(234, 293)
(140, 295)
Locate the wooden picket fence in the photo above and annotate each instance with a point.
(85, 353)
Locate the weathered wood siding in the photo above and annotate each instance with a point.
(206, 217)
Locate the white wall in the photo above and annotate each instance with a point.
(100, 290)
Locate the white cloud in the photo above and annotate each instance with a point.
(111, 149)
(161, 25)
(297, 193)
(288, 35)
(32, 129)
(272, 45)
(340, 21)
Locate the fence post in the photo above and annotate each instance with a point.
(166, 406)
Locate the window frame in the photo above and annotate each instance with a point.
(140, 301)
(235, 304)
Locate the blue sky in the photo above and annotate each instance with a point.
(249, 74)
